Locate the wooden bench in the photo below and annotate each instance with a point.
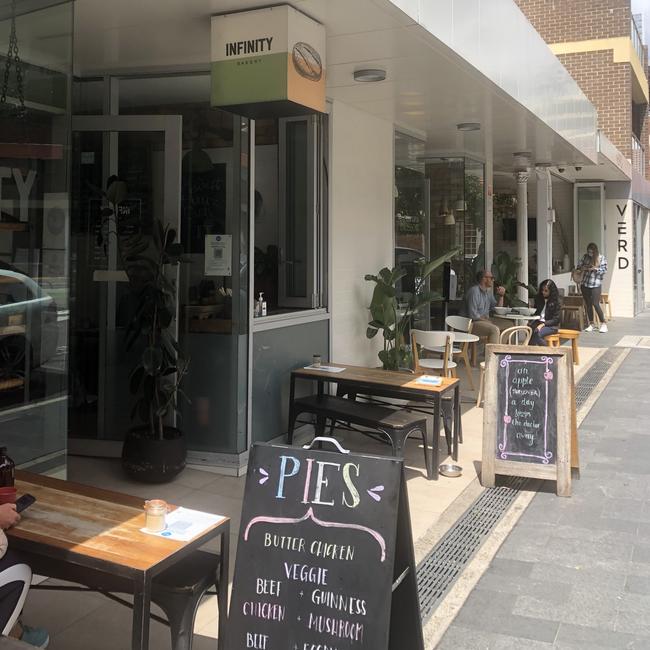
(396, 424)
(555, 340)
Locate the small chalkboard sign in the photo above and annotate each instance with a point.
(527, 417)
(324, 543)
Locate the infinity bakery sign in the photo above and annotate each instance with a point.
(268, 62)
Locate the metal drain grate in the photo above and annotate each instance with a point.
(595, 374)
(440, 569)
(443, 565)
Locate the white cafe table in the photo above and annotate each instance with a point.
(519, 319)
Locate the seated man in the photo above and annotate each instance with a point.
(479, 302)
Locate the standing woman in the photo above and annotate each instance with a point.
(594, 267)
(547, 310)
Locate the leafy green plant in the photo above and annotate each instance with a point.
(155, 380)
(505, 270)
(393, 320)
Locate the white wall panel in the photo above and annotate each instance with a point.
(361, 218)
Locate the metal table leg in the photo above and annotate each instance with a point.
(435, 461)
(141, 612)
(222, 592)
(458, 431)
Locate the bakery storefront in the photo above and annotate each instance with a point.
(231, 157)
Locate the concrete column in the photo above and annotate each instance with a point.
(522, 231)
(544, 224)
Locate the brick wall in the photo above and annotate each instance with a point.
(560, 21)
(608, 86)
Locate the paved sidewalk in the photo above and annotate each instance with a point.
(575, 573)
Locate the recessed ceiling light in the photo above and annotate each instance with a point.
(371, 74)
(469, 126)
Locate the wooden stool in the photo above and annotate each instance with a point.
(606, 305)
(554, 341)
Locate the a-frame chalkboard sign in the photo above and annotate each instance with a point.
(528, 417)
(325, 554)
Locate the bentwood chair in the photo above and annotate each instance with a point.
(519, 335)
(464, 325)
(439, 342)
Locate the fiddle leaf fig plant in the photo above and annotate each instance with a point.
(158, 372)
(505, 270)
(392, 319)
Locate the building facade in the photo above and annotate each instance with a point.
(428, 115)
(601, 45)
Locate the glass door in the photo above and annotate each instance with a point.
(144, 154)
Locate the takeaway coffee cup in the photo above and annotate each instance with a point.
(7, 495)
(155, 512)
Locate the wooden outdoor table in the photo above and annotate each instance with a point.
(391, 384)
(99, 530)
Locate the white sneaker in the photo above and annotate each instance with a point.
(603, 328)
(589, 328)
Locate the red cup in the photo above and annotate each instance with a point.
(7, 495)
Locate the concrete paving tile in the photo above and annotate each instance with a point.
(643, 531)
(491, 611)
(633, 616)
(512, 568)
(641, 553)
(627, 509)
(579, 636)
(541, 590)
(57, 610)
(580, 576)
(593, 520)
(585, 606)
(595, 553)
(637, 585)
(459, 637)
(504, 642)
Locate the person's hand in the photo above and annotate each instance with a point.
(539, 327)
(8, 515)
(501, 291)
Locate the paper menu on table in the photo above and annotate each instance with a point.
(429, 380)
(184, 524)
(325, 368)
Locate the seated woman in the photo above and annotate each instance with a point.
(547, 309)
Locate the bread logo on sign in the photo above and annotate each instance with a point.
(306, 61)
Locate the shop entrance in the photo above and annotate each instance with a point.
(144, 152)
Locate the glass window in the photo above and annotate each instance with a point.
(34, 231)
(288, 222)
(439, 211)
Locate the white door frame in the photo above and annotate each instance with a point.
(576, 217)
(172, 128)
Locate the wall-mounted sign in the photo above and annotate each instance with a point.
(218, 255)
(268, 61)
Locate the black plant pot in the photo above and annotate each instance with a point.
(151, 460)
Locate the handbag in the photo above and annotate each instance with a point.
(577, 275)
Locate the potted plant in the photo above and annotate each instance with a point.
(154, 451)
(505, 269)
(393, 320)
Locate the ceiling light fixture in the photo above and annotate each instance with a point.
(469, 126)
(371, 74)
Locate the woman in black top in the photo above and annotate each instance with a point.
(547, 309)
